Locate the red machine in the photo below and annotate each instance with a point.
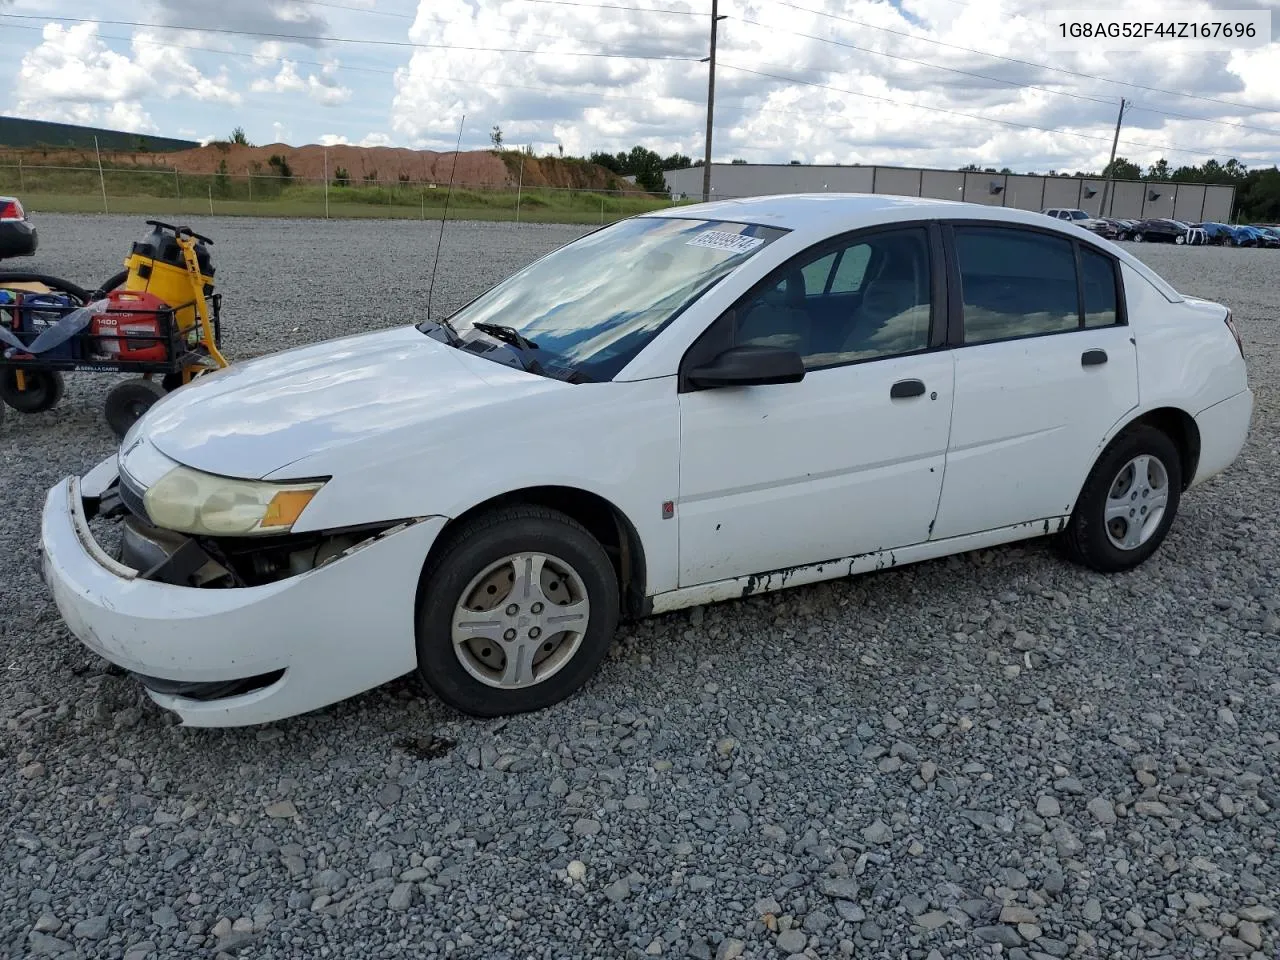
(130, 328)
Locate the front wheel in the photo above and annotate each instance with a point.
(1128, 502)
(516, 613)
(1137, 238)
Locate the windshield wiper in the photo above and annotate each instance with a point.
(505, 334)
(512, 336)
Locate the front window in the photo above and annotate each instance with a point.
(1079, 215)
(595, 303)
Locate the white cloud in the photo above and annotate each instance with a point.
(865, 107)
(322, 87)
(285, 81)
(369, 140)
(73, 75)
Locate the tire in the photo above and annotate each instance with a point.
(1090, 539)
(1137, 238)
(128, 401)
(1180, 239)
(43, 390)
(475, 562)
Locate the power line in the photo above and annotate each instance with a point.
(1025, 63)
(850, 46)
(923, 63)
(734, 105)
(378, 43)
(958, 113)
(1224, 123)
(558, 3)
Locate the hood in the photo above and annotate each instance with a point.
(258, 416)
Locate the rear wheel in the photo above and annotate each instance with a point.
(1128, 503)
(128, 401)
(516, 613)
(39, 391)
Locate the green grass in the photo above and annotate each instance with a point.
(161, 193)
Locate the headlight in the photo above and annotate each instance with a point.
(191, 501)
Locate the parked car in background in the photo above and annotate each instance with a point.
(1120, 227)
(1107, 227)
(18, 236)
(747, 395)
(1158, 230)
(1247, 235)
(1073, 214)
(1269, 236)
(1217, 234)
(1193, 237)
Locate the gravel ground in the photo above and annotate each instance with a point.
(991, 755)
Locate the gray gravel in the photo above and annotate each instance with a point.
(995, 754)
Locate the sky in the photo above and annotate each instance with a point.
(938, 83)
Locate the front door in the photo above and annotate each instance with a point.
(848, 460)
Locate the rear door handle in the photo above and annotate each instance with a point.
(1092, 358)
(906, 388)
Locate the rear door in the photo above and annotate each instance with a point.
(1045, 365)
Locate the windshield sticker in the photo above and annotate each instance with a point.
(719, 240)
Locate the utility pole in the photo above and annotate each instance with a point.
(1106, 187)
(711, 100)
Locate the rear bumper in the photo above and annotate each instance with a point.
(1223, 427)
(296, 644)
(18, 238)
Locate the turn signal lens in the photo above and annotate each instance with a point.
(286, 506)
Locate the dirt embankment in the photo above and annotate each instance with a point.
(485, 168)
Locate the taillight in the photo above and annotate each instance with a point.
(11, 210)
(1231, 325)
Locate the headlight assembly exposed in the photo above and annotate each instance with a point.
(191, 501)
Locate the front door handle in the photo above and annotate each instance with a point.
(906, 388)
(1092, 358)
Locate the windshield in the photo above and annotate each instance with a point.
(592, 305)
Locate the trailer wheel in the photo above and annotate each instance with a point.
(128, 401)
(41, 390)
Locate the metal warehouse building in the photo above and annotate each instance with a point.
(1192, 202)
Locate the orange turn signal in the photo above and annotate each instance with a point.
(285, 507)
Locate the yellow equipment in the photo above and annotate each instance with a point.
(173, 264)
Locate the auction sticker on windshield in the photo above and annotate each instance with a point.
(719, 240)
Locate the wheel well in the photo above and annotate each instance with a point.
(1180, 427)
(610, 527)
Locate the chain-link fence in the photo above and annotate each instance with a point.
(168, 191)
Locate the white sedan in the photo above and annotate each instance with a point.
(696, 404)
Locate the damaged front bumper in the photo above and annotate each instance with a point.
(236, 655)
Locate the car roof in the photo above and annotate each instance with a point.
(823, 214)
(827, 212)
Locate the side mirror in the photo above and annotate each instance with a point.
(749, 366)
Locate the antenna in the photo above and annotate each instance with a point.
(445, 216)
